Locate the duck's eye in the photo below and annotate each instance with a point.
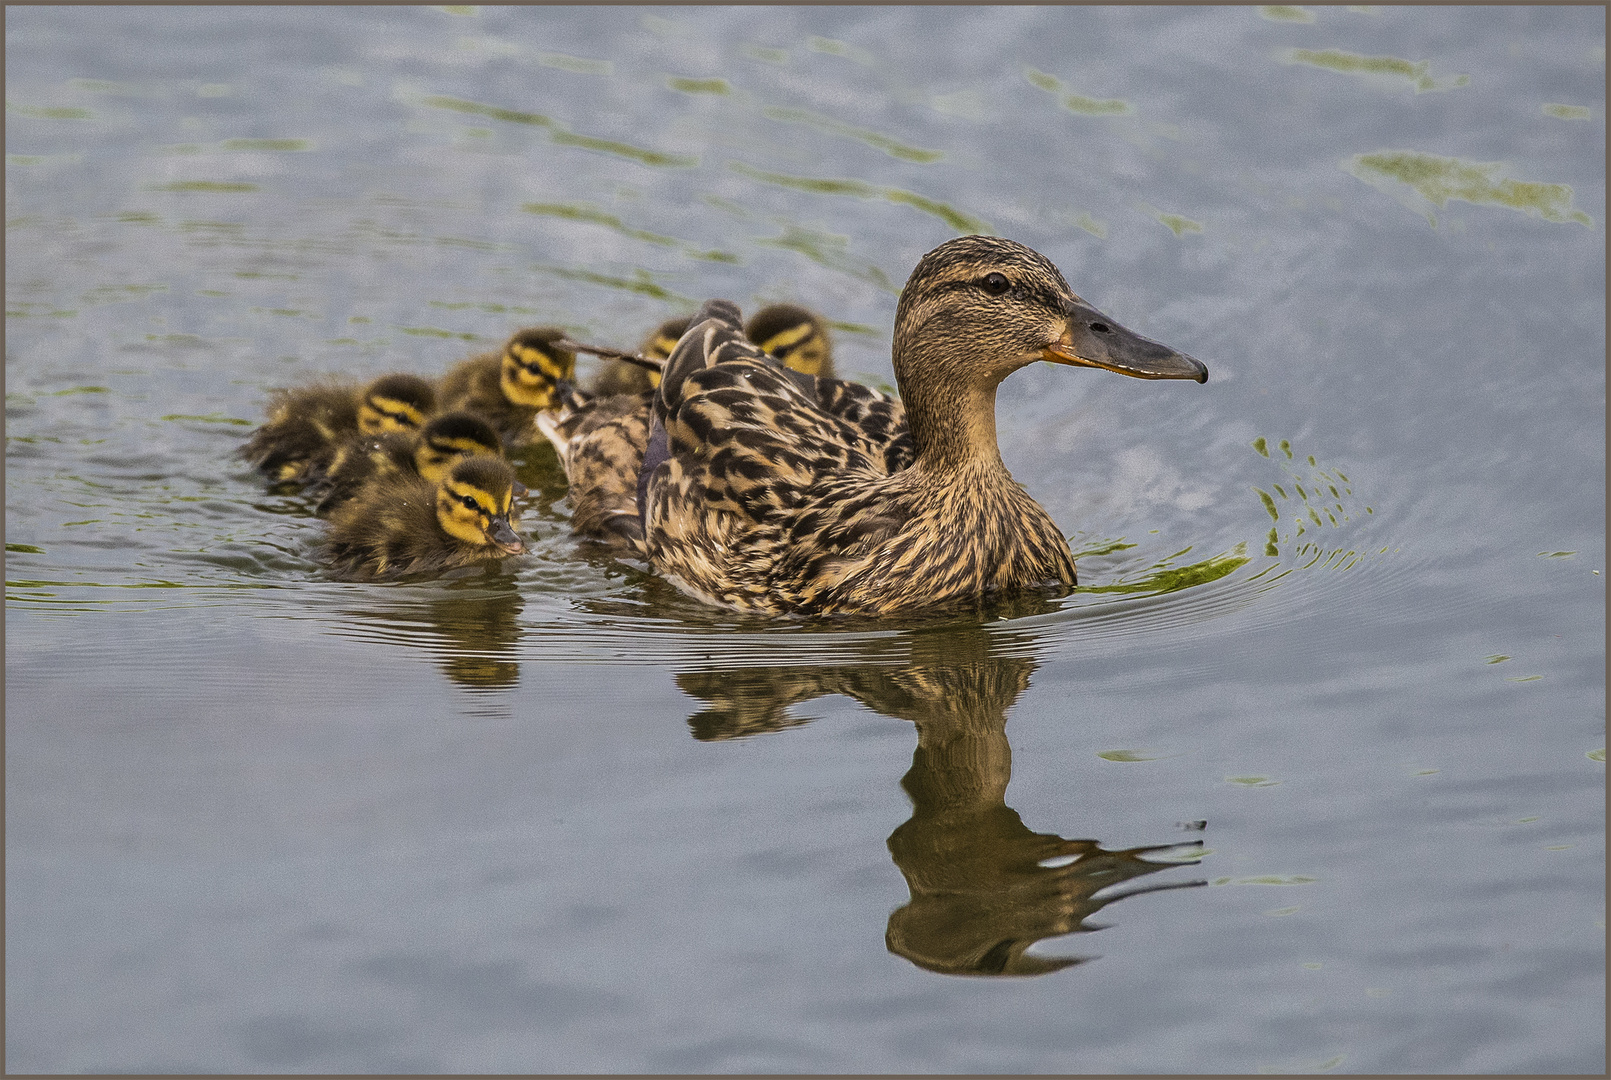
(470, 503)
(995, 284)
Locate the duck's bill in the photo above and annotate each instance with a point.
(504, 537)
(1094, 340)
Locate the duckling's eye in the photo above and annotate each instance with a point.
(995, 284)
(470, 503)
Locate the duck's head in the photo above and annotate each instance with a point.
(395, 403)
(473, 501)
(978, 308)
(449, 439)
(533, 361)
(795, 335)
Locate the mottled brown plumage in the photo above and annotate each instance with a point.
(429, 452)
(401, 523)
(308, 424)
(508, 388)
(773, 492)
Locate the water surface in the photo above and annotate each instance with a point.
(1318, 744)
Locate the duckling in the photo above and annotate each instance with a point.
(762, 491)
(795, 335)
(307, 425)
(507, 389)
(429, 452)
(400, 523)
(621, 377)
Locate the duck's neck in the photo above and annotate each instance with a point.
(953, 428)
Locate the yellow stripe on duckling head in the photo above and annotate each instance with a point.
(531, 365)
(794, 335)
(450, 438)
(378, 415)
(395, 403)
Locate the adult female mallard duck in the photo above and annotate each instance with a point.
(429, 452)
(404, 524)
(306, 424)
(773, 492)
(508, 388)
(793, 334)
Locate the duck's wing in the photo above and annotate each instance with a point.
(740, 446)
(880, 418)
(600, 442)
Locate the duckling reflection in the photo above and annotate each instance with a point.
(470, 628)
(984, 886)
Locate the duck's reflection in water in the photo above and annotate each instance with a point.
(984, 886)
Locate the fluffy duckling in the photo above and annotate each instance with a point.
(308, 424)
(767, 491)
(621, 377)
(403, 524)
(508, 388)
(795, 335)
(430, 453)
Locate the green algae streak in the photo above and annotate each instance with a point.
(579, 65)
(50, 112)
(288, 146)
(1568, 112)
(830, 250)
(1384, 66)
(640, 283)
(204, 185)
(592, 214)
(1440, 179)
(1176, 224)
(963, 223)
(838, 127)
(561, 136)
(1173, 579)
(477, 109)
(1077, 103)
(1286, 13)
(700, 86)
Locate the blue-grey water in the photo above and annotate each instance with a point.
(1342, 608)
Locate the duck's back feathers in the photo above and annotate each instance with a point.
(601, 445)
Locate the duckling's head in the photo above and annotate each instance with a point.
(449, 439)
(978, 308)
(395, 403)
(658, 346)
(473, 501)
(795, 335)
(532, 363)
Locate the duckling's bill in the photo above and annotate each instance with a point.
(1091, 339)
(502, 535)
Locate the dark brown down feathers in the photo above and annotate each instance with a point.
(399, 523)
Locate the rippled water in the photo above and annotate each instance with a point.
(1320, 736)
